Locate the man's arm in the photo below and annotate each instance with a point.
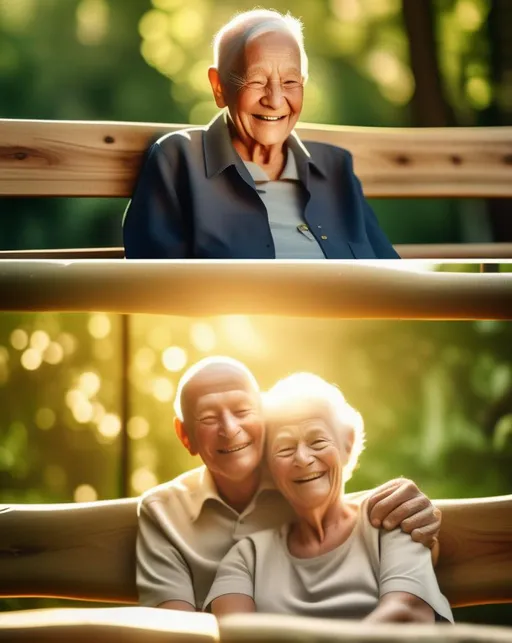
(401, 607)
(163, 576)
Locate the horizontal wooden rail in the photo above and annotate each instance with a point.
(77, 158)
(406, 251)
(310, 289)
(152, 625)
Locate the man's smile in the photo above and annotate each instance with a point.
(234, 449)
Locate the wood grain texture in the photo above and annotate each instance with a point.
(406, 251)
(78, 158)
(334, 289)
(87, 551)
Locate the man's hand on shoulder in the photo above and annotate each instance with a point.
(399, 503)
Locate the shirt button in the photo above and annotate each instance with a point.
(323, 237)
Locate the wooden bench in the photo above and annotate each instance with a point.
(87, 551)
(102, 159)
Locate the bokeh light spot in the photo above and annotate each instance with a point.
(203, 336)
(40, 340)
(143, 479)
(31, 359)
(89, 383)
(110, 426)
(99, 325)
(45, 418)
(19, 339)
(174, 358)
(85, 493)
(138, 427)
(162, 389)
(54, 354)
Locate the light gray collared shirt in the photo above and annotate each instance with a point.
(284, 202)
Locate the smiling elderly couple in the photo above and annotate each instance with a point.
(245, 186)
(265, 525)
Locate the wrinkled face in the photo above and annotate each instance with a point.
(223, 420)
(306, 456)
(264, 93)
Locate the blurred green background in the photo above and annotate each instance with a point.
(373, 63)
(436, 398)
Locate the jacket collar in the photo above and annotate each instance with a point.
(219, 153)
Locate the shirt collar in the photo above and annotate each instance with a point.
(219, 152)
(206, 489)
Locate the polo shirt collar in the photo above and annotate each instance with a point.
(219, 152)
(207, 490)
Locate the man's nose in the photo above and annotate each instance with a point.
(230, 425)
(274, 95)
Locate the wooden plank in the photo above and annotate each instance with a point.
(334, 289)
(406, 251)
(78, 158)
(281, 628)
(108, 624)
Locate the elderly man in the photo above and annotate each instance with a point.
(245, 186)
(187, 525)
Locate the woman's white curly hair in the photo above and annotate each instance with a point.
(304, 389)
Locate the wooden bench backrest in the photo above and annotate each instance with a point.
(74, 158)
(87, 551)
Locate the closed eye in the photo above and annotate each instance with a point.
(285, 452)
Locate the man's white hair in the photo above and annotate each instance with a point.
(209, 362)
(231, 38)
(301, 390)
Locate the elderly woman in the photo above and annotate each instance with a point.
(330, 562)
(245, 186)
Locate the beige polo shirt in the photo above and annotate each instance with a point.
(185, 529)
(346, 582)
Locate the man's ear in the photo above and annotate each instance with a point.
(183, 437)
(218, 94)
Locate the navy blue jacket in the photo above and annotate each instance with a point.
(195, 199)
